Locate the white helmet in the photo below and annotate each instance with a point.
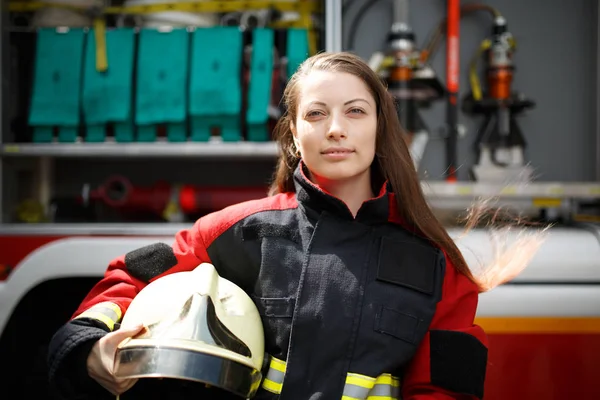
(198, 327)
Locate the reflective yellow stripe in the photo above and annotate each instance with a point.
(360, 380)
(357, 387)
(272, 386)
(362, 387)
(273, 382)
(387, 379)
(277, 364)
(106, 312)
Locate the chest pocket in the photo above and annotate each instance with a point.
(411, 272)
(400, 301)
(411, 275)
(409, 264)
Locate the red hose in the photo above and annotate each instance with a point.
(452, 83)
(452, 46)
(194, 200)
(118, 192)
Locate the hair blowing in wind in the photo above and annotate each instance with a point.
(393, 163)
(513, 242)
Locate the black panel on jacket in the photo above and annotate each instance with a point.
(267, 265)
(408, 263)
(458, 362)
(150, 261)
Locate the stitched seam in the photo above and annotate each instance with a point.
(213, 235)
(296, 305)
(359, 305)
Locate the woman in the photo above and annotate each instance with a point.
(372, 295)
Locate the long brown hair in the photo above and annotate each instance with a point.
(392, 163)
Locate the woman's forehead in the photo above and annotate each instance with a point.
(332, 87)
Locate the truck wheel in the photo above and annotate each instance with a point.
(24, 341)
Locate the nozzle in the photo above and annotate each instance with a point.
(499, 27)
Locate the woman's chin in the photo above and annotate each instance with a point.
(335, 173)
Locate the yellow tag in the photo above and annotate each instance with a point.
(170, 209)
(509, 190)
(30, 211)
(556, 190)
(546, 202)
(11, 148)
(100, 38)
(464, 190)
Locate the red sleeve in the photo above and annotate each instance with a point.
(451, 361)
(127, 274)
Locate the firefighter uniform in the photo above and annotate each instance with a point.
(352, 307)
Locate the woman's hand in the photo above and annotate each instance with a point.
(100, 362)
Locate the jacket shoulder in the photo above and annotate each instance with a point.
(396, 219)
(213, 225)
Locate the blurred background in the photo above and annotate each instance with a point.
(122, 122)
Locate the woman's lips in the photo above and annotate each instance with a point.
(337, 152)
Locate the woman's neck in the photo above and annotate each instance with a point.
(353, 191)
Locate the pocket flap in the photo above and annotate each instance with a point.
(408, 263)
(397, 324)
(276, 307)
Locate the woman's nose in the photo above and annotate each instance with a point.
(337, 129)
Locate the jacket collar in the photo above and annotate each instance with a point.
(311, 196)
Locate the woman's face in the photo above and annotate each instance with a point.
(335, 127)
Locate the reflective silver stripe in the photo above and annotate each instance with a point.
(273, 382)
(354, 392)
(362, 387)
(384, 390)
(106, 312)
(357, 387)
(275, 376)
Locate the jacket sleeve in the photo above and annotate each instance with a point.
(451, 361)
(101, 310)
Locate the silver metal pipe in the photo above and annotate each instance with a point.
(333, 25)
(3, 124)
(400, 10)
(597, 97)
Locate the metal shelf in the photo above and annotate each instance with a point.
(161, 148)
(137, 229)
(441, 195)
(541, 190)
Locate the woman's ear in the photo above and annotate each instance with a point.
(294, 133)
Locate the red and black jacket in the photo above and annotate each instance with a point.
(352, 306)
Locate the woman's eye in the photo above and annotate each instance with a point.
(356, 111)
(313, 113)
